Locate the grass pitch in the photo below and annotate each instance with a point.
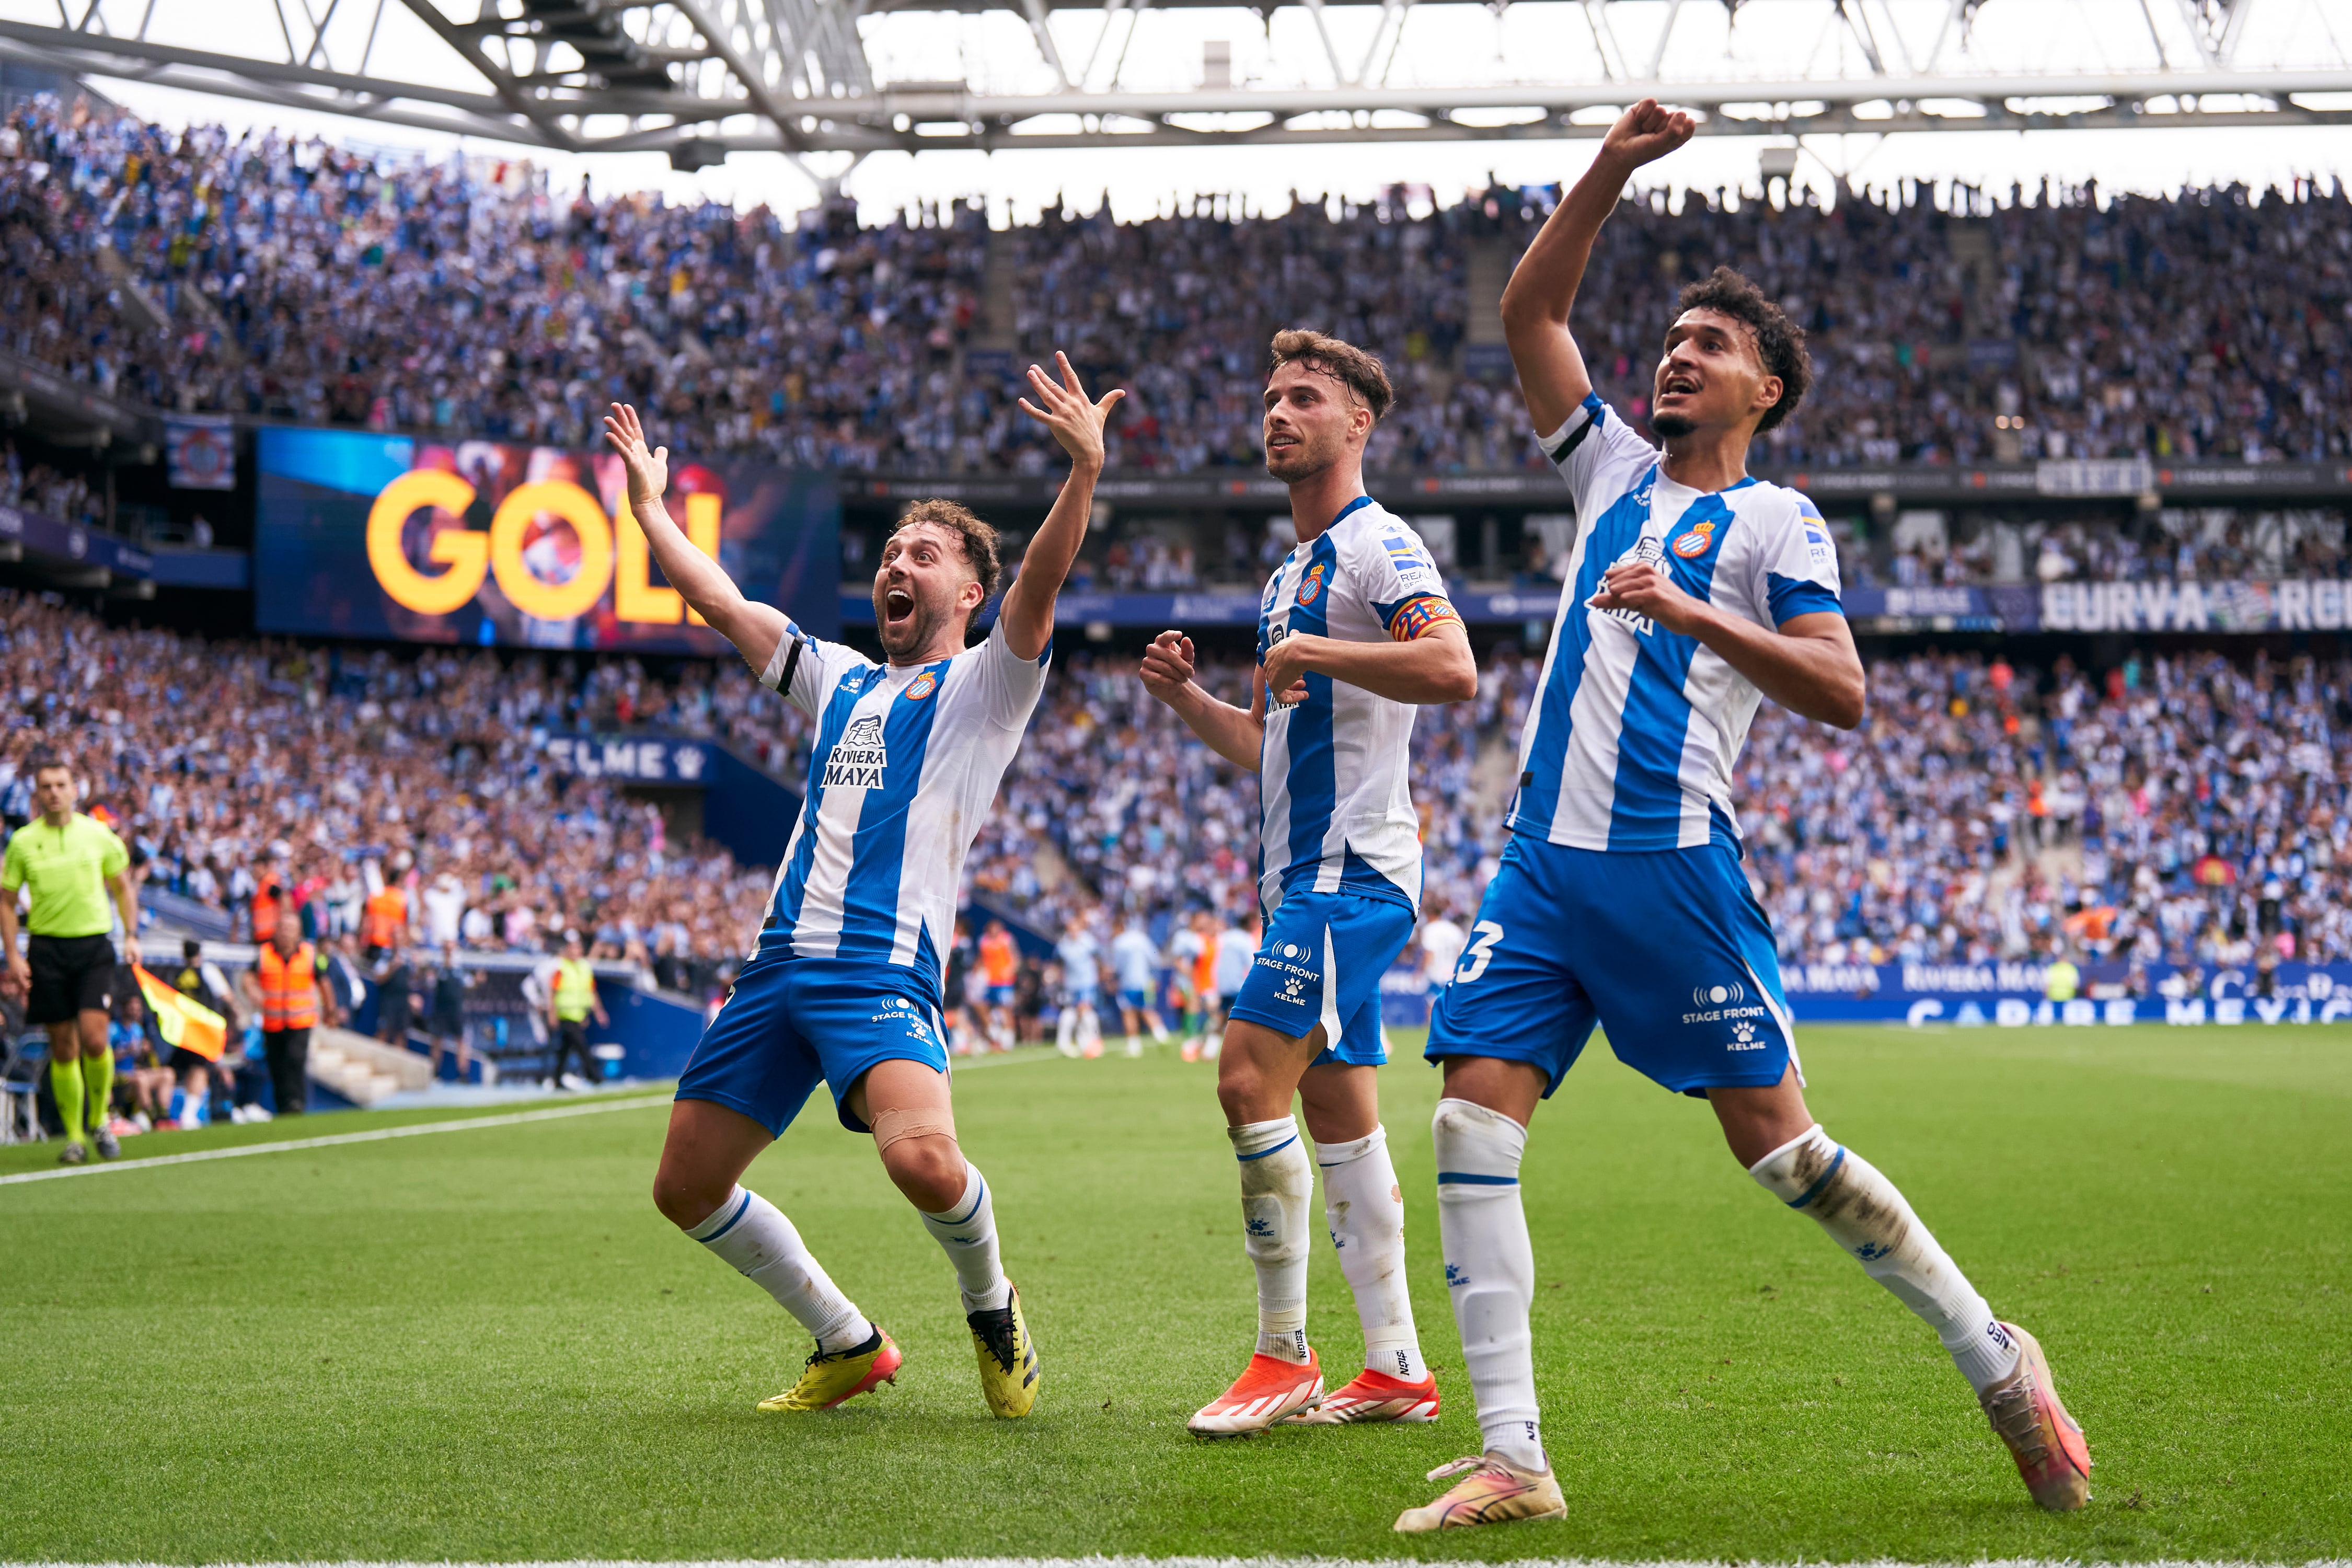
(486, 1344)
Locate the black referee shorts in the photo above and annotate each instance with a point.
(71, 975)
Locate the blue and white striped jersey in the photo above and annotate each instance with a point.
(903, 770)
(1334, 773)
(1635, 731)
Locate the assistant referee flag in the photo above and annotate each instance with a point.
(181, 1019)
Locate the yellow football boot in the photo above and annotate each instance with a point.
(829, 1380)
(1008, 1358)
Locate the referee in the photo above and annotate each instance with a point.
(70, 864)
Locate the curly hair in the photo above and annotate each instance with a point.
(1361, 373)
(1780, 342)
(978, 539)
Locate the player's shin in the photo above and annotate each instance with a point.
(1366, 1213)
(755, 1238)
(64, 1083)
(1278, 1184)
(1864, 1214)
(1490, 1271)
(966, 1232)
(97, 1088)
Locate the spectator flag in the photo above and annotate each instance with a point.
(182, 1020)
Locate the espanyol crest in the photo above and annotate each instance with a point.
(1310, 587)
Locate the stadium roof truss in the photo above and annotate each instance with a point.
(701, 78)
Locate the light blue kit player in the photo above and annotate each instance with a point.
(1355, 630)
(1693, 591)
(843, 984)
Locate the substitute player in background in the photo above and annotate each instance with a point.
(1692, 590)
(72, 865)
(1355, 629)
(842, 983)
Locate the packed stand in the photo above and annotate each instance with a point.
(2187, 810)
(294, 279)
(2183, 545)
(332, 773)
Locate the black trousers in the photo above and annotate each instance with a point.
(288, 1051)
(570, 1040)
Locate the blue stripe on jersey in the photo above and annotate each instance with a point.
(1648, 811)
(1313, 779)
(1794, 596)
(786, 910)
(1613, 533)
(878, 850)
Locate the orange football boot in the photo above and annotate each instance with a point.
(1372, 1396)
(1267, 1390)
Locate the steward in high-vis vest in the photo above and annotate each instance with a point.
(383, 921)
(284, 985)
(571, 1001)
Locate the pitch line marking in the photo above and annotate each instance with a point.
(376, 1135)
(1124, 1561)
(373, 1135)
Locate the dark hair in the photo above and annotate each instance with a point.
(45, 759)
(1361, 373)
(1780, 342)
(978, 542)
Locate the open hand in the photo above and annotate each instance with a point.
(1644, 588)
(648, 471)
(1646, 133)
(1167, 665)
(1075, 421)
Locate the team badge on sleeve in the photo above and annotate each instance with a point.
(1418, 617)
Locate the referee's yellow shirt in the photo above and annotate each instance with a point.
(67, 870)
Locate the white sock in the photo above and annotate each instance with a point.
(1065, 1032)
(967, 1233)
(1366, 1212)
(1278, 1184)
(1863, 1214)
(1490, 1271)
(754, 1235)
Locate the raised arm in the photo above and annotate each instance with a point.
(1077, 423)
(1536, 300)
(1233, 733)
(754, 629)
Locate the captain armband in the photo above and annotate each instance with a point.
(1418, 617)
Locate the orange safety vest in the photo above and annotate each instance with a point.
(265, 910)
(385, 919)
(290, 988)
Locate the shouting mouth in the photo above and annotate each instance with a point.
(897, 607)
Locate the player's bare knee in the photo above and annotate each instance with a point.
(929, 1168)
(685, 1198)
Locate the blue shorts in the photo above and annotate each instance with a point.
(1138, 1000)
(1320, 962)
(790, 1021)
(1000, 996)
(1666, 951)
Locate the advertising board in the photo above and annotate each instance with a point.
(366, 535)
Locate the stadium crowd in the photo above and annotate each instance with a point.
(2186, 808)
(296, 279)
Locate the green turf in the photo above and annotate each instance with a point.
(487, 1345)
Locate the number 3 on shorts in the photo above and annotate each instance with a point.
(1480, 953)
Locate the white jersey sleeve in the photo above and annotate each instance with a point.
(805, 670)
(1391, 570)
(1599, 454)
(1008, 684)
(1795, 565)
